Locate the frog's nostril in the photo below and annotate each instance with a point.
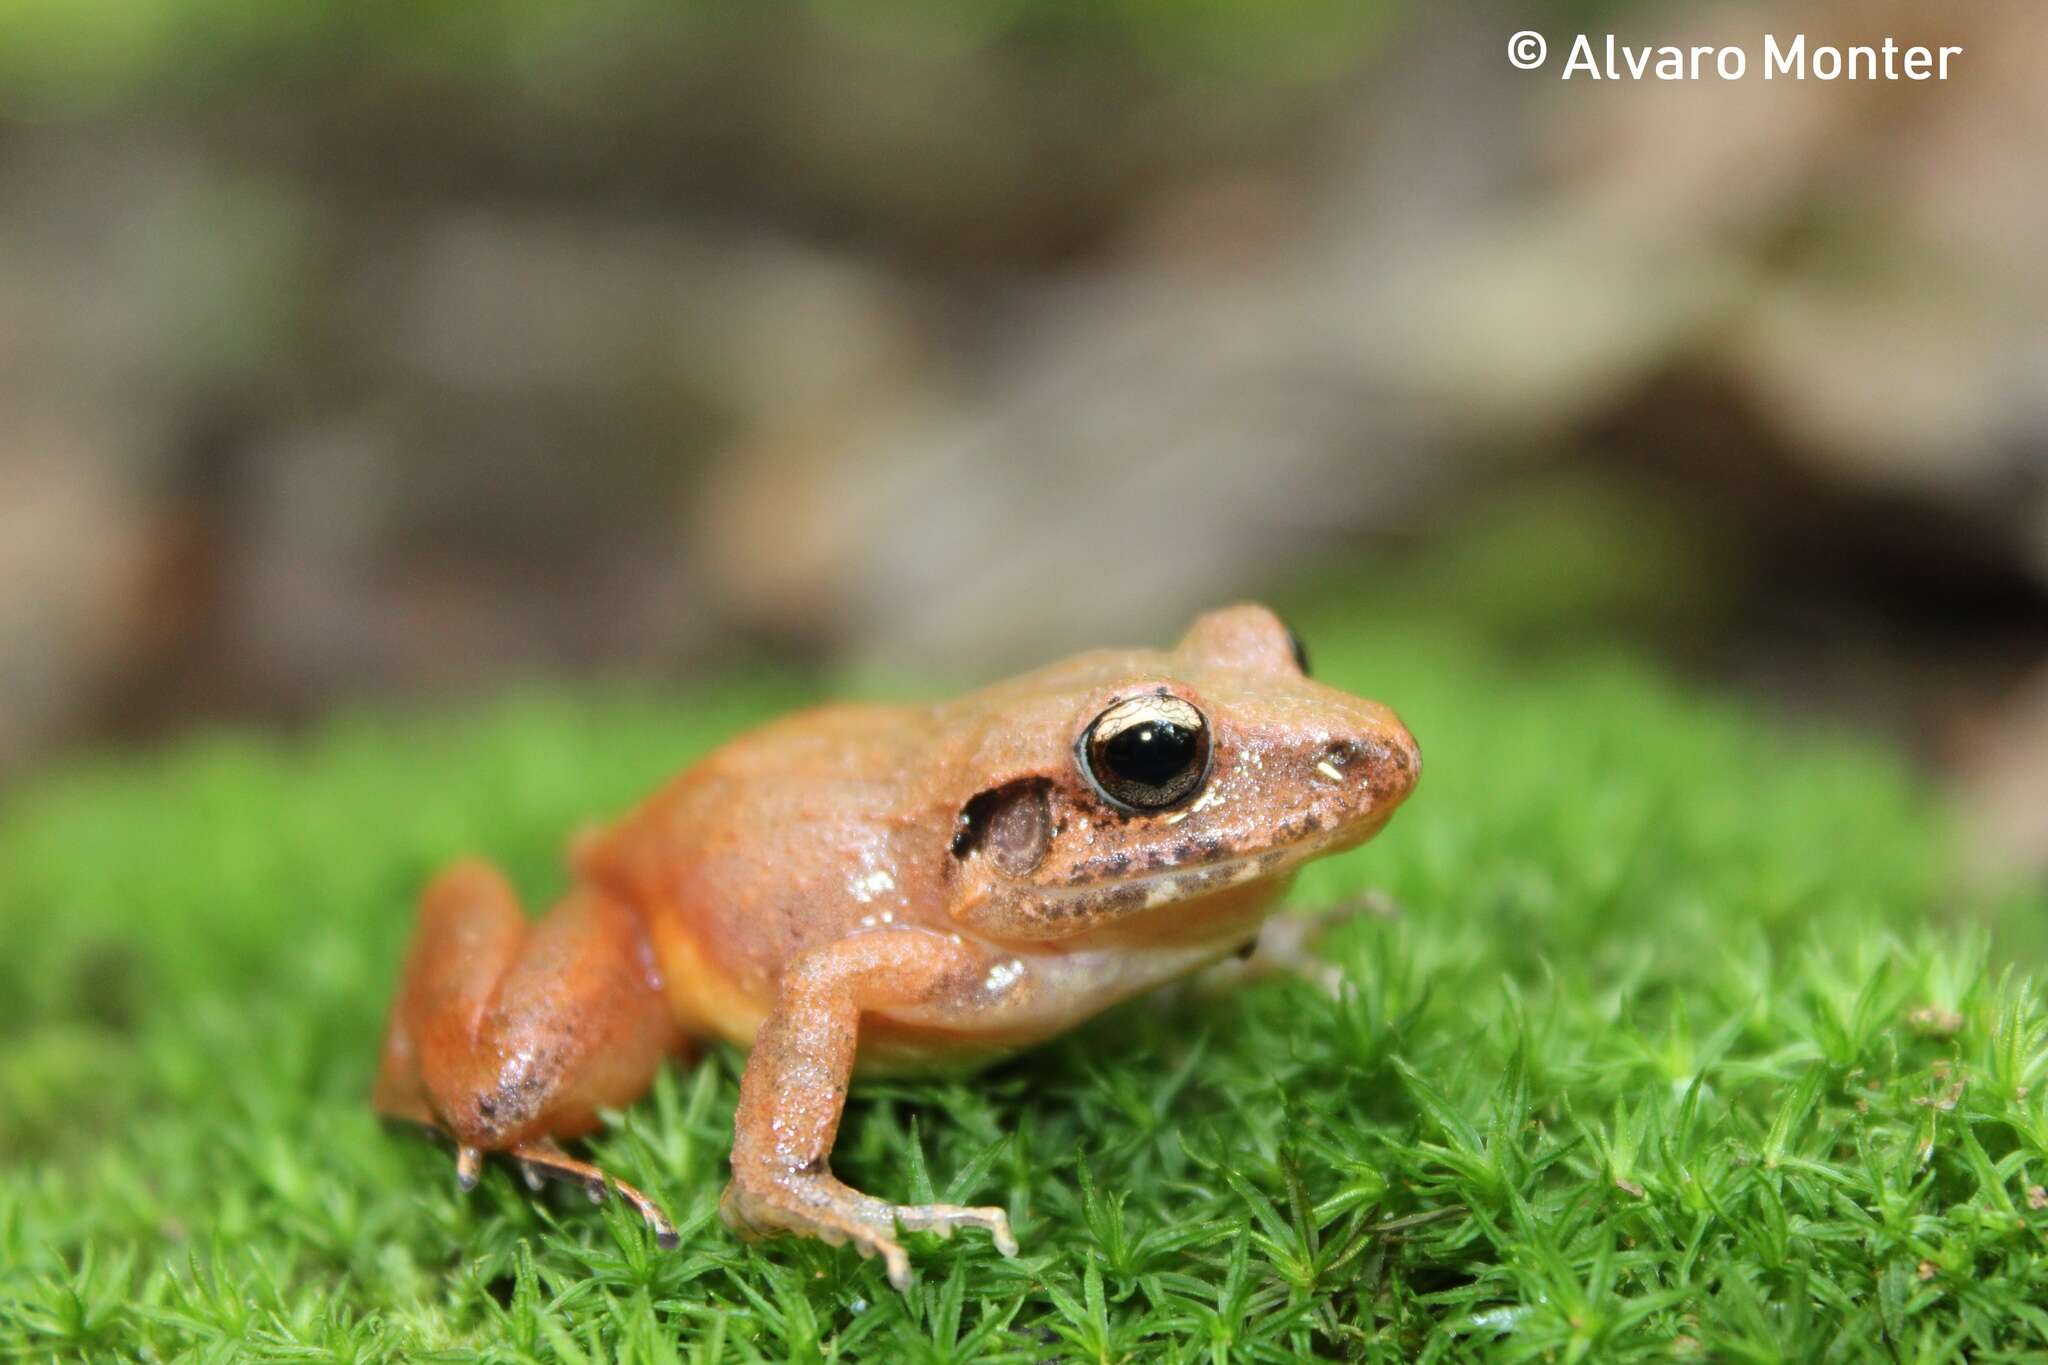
(1381, 764)
(1338, 758)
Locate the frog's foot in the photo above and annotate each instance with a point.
(538, 1160)
(820, 1206)
(943, 1218)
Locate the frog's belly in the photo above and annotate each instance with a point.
(1024, 997)
(889, 1048)
(1024, 1000)
(706, 1000)
(1019, 1007)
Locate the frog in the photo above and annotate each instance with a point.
(865, 889)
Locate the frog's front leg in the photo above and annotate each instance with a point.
(1285, 946)
(508, 1034)
(794, 1090)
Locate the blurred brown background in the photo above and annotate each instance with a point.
(407, 349)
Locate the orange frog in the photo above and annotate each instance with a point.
(889, 888)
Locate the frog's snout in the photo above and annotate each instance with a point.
(1392, 765)
(1361, 773)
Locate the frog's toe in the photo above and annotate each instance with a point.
(895, 1261)
(943, 1218)
(866, 1240)
(819, 1206)
(545, 1159)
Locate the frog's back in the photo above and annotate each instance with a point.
(785, 838)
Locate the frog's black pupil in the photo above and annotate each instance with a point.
(1153, 753)
(1147, 753)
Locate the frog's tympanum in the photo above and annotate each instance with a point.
(885, 889)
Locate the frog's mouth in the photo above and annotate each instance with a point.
(1217, 876)
(1040, 911)
(1147, 890)
(1061, 911)
(1186, 883)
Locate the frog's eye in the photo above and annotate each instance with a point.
(1146, 753)
(1297, 648)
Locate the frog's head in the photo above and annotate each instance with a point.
(1177, 790)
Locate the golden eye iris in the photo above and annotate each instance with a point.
(1147, 753)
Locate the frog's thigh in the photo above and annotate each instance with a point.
(507, 1032)
(470, 928)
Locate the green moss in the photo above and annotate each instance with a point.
(1634, 1070)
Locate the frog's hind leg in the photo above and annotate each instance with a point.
(508, 1034)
